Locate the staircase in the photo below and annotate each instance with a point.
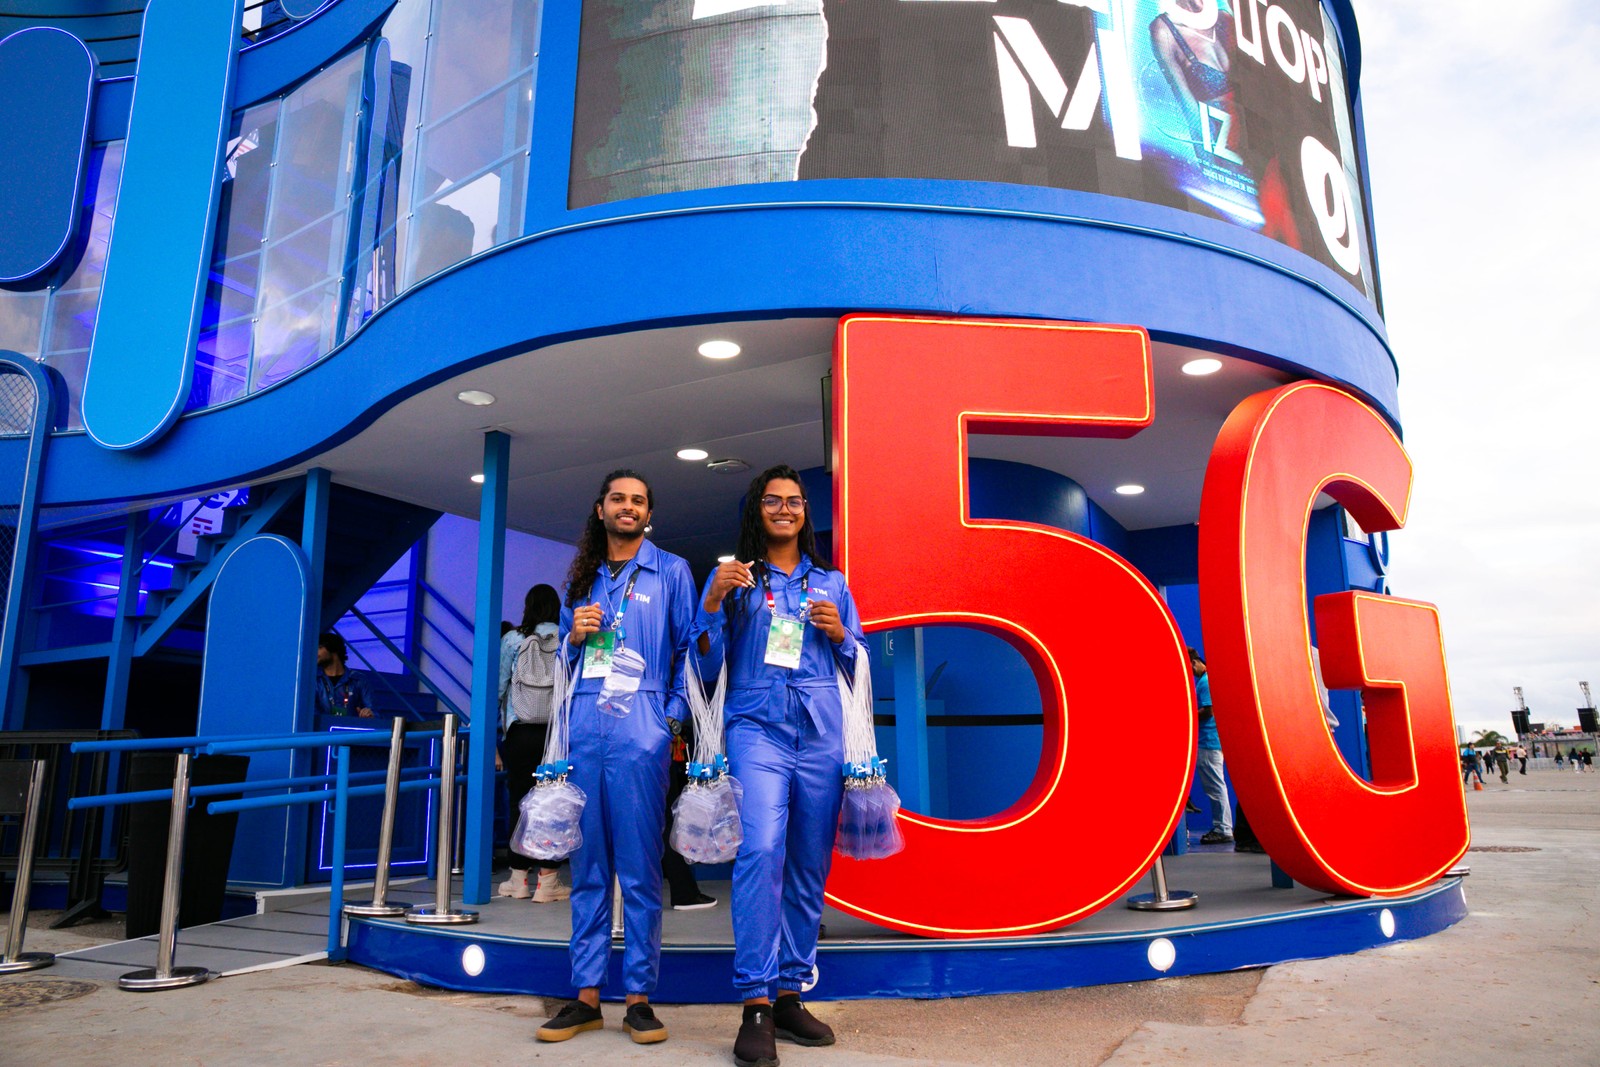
(74, 619)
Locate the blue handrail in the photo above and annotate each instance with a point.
(332, 738)
(147, 796)
(154, 744)
(222, 807)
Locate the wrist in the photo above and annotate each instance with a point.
(712, 605)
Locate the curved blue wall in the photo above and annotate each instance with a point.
(745, 251)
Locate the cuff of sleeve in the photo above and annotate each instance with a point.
(707, 622)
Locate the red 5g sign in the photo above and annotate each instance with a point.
(908, 391)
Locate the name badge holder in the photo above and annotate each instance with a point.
(600, 649)
(786, 634)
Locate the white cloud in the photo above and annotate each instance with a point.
(1483, 140)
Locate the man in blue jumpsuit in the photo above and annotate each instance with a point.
(785, 623)
(627, 619)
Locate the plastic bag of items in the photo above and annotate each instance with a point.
(705, 817)
(869, 826)
(550, 823)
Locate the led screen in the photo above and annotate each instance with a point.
(1233, 109)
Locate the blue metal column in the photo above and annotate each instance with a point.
(910, 719)
(314, 543)
(13, 684)
(476, 864)
(124, 628)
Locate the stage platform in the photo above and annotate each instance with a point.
(1241, 921)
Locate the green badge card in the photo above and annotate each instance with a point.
(784, 638)
(598, 652)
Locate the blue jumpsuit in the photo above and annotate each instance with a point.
(785, 739)
(621, 764)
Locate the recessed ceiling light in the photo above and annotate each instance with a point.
(1129, 490)
(725, 559)
(477, 479)
(719, 349)
(476, 397)
(1202, 367)
(693, 455)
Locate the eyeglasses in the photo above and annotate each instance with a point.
(774, 504)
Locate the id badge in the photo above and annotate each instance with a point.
(598, 653)
(784, 638)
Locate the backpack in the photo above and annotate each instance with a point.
(532, 693)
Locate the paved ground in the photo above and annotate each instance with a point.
(1517, 982)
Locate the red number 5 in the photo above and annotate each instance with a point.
(1102, 644)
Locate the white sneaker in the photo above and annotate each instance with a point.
(515, 887)
(549, 890)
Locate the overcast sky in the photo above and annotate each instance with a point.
(1483, 140)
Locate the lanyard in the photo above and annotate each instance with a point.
(331, 686)
(805, 592)
(616, 620)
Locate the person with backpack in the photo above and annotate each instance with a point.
(527, 686)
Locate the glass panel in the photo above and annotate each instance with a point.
(222, 358)
(69, 325)
(469, 160)
(397, 66)
(21, 318)
(306, 223)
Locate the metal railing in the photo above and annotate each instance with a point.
(346, 786)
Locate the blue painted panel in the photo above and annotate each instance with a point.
(260, 646)
(927, 968)
(141, 359)
(47, 80)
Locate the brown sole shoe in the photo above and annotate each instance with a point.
(544, 1033)
(646, 1037)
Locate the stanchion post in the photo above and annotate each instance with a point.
(15, 959)
(440, 911)
(341, 829)
(379, 906)
(1163, 899)
(164, 975)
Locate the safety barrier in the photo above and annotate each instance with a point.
(165, 975)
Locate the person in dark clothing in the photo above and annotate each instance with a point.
(340, 691)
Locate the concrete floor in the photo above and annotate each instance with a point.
(1517, 982)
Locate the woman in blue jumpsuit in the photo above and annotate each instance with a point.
(623, 593)
(785, 623)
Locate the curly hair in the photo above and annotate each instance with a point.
(592, 544)
(753, 533)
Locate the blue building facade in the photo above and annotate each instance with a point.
(397, 281)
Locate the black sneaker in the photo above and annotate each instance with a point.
(642, 1025)
(1215, 837)
(571, 1021)
(794, 1023)
(698, 902)
(757, 1043)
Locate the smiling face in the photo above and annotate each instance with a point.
(783, 521)
(625, 509)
